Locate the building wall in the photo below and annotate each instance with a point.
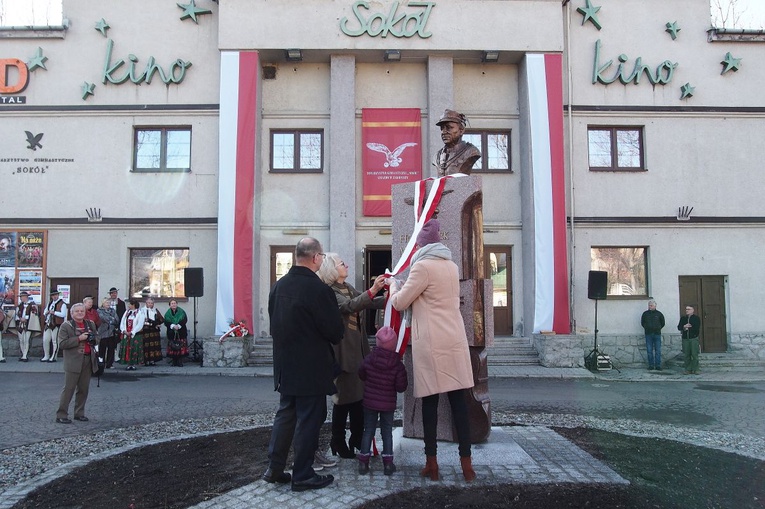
(139, 210)
(702, 151)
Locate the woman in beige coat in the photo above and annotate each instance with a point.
(349, 353)
(440, 354)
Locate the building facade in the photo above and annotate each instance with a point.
(216, 136)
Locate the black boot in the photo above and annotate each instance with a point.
(356, 413)
(337, 444)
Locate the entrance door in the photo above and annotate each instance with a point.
(78, 289)
(707, 295)
(376, 260)
(498, 263)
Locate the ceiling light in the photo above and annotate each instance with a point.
(490, 56)
(392, 55)
(293, 55)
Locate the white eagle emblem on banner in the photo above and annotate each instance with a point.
(392, 158)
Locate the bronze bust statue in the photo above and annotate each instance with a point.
(456, 156)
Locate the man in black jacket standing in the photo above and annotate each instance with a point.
(305, 323)
(689, 327)
(652, 322)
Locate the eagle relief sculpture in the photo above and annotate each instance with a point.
(392, 158)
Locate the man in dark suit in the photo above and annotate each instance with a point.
(119, 307)
(305, 323)
(77, 339)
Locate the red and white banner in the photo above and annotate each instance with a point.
(391, 141)
(236, 187)
(551, 295)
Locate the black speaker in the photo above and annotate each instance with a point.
(597, 284)
(194, 280)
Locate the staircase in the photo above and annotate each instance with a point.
(513, 351)
(262, 353)
(507, 351)
(722, 361)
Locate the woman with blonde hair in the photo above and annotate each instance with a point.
(349, 353)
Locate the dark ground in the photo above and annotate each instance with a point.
(662, 473)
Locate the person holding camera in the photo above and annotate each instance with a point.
(77, 340)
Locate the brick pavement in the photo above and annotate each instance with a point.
(517, 454)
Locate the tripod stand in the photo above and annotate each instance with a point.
(195, 348)
(597, 360)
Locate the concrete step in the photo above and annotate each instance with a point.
(722, 360)
(507, 351)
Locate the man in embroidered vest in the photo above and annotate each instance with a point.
(456, 156)
(26, 321)
(55, 314)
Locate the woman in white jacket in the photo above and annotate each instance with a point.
(132, 343)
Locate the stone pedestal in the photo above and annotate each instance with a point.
(232, 353)
(460, 214)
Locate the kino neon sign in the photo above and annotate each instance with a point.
(394, 23)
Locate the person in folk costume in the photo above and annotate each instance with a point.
(349, 353)
(118, 305)
(152, 340)
(440, 352)
(107, 332)
(132, 342)
(177, 333)
(55, 314)
(27, 321)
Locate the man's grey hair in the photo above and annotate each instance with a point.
(307, 248)
(651, 302)
(78, 305)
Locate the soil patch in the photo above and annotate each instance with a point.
(175, 475)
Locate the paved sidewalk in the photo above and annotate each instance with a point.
(516, 454)
(629, 374)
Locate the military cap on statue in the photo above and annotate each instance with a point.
(452, 116)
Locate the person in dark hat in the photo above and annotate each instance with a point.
(384, 376)
(456, 156)
(119, 307)
(440, 354)
(55, 314)
(27, 320)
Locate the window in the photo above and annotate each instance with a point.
(162, 149)
(282, 259)
(494, 147)
(158, 273)
(626, 267)
(297, 151)
(615, 148)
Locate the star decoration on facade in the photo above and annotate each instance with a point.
(190, 10)
(687, 91)
(102, 26)
(589, 13)
(672, 29)
(38, 61)
(730, 63)
(87, 89)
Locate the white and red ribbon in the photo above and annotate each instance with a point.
(422, 215)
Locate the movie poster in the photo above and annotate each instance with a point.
(30, 246)
(30, 281)
(7, 249)
(7, 285)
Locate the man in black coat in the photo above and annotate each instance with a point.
(305, 323)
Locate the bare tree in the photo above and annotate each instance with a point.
(726, 13)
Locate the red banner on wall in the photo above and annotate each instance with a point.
(391, 141)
